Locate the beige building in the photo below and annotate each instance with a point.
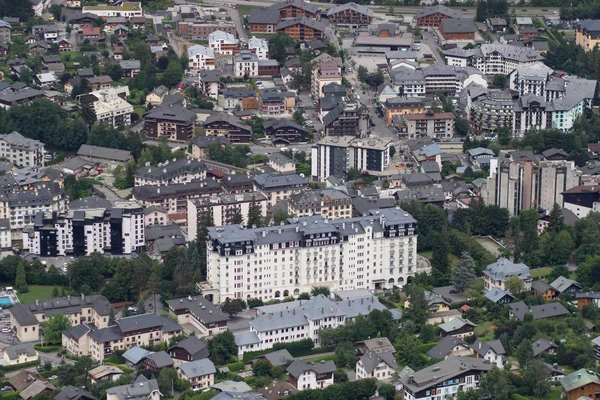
(19, 354)
(204, 316)
(279, 187)
(142, 389)
(324, 73)
(281, 163)
(200, 373)
(587, 33)
(26, 319)
(329, 203)
(381, 366)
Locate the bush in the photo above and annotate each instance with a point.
(46, 349)
(10, 396)
(8, 368)
(236, 366)
(297, 349)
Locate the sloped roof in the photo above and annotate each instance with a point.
(445, 346)
(541, 345)
(371, 360)
(298, 367)
(579, 379)
(198, 368)
(482, 348)
(455, 324)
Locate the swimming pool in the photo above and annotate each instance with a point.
(5, 301)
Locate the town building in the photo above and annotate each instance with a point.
(447, 377)
(174, 172)
(497, 58)
(109, 105)
(311, 376)
(433, 16)
(381, 366)
(209, 83)
(268, 68)
(263, 20)
(201, 58)
(323, 74)
(274, 102)
(581, 200)
(104, 155)
(281, 163)
(126, 10)
(581, 383)
(245, 64)
(496, 274)
(21, 206)
(330, 203)
(200, 373)
(492, 351)
(552, 310)
(20, 150)
(285, 131)
(116, 229)
(223, 208)
(228, 126)
(142, 389)
(397, 262)
(279, 187)
(5, 32)
(347, 118)
(458, 29)
(201, 29)
(199, 312)
(25, 319)
(295, 8)
(19, 354)
(260, 47)
(173, 197)
(399, 106)
(189, 349)
(433, 125)
(350, 14)
(334, 156)
(223, 43)
(302, 28)
(587, 33)
(174, 122)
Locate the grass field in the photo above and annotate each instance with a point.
(245, 9)
(485, 329)
(318, 359)
(540, 273)
(36, 292)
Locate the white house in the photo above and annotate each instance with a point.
(200, 373)
(201, 58)
(222, 43)
(311, 376)
(260, 47)
(381, 366)
(492, 351)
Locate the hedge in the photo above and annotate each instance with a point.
(46, 349)
(424, 348)
(10, 396)
(8, 368)
(236, 366)
(299, 348)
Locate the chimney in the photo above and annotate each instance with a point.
(37, 302)
(82, 296)
(69, 297)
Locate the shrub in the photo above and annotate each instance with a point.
(46, 349)
(8, 368)
(236, 366)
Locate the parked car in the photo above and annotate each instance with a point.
(6, 389)
(5, 330)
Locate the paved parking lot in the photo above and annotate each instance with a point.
(444, 291)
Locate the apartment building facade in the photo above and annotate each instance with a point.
(350, 14)
(20, 150)
(171, 172)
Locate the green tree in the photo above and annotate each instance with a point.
(317, 290)
(463, 274)
(524, 353)
(514, 285)
(222, 347)
(496, 385)
(461, 126)
(55, 292)
(111, 316)
(173, 74)
(353, 174)
(237, 218)
(387, 391)
(261, 368)
(115, 72)
(233, 307)
(500, 80)
(20, 280)
(166, 379)
(254, 218)
(54, 326)
(556, 220)
(255, 302)
(392, 151)
(141, 307)
(362, 73)
(535, 379)
(417, 305)
(504, 135)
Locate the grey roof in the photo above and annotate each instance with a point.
(8, 97)
(503, 268)
(587, 295)
(554, 151)
(232, 386)
(279, 357)
(156, 193)
(435, 374)
(74, 393)
(142, 321)
(135, 354)
(142, 388)
(263, 16)
(130, 64)
(198, 368)
(540, 286)
(549, 310)
(199, 307)
(238, 396)
(280, 159)
(518, 53)
(161, 359)
(281, 123)
(317, 25)
(194, 346)
(482, 348)
(439, 9)
(541, 345)
(217, 116)
(351, 6)
(77, 331)
(458, 25)
(561, 284)
(304, 5)
(25, 313)
(36, 388)
(13, 352)
(104, 153)
(481, 151)
(424, 195)
(246, 338)
(371, 360)
(172, 112)
(89, 203)
(272, 182)
(458, 52)
(315, 197)
(16, 140)
(445, 346)
(377, 345)
(455, 324)
(171, 170)
(204, 141)
(298, 367)
(496, 294)
(106, 335)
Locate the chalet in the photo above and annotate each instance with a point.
(311, 376)
(584, 298)
(492, 351)
(450, 346)
(458, 327)
(582, 383)
(350, 14)
(381, 366)
(277, 358)
(64, 45)
(156, 362)
(376, 345)
(221, 124)
(433, 16)
(543, 346)
(565, 285)
(263, 20)
(542, 311)
(295, 8)
(189, 349)
(302, 28)
(544, 290)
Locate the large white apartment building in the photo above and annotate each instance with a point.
(171, 172)
(21, 206)
(304, 319)
(371, 252)
(20, 150)
(109, 105)
(125, 9)
(496, 58)
(245, 63)
(201, 58)
(114, 229)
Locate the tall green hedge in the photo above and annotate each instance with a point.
(8, 368)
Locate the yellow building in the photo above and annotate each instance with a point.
(588, 34)
(19, 354)
(403, 106)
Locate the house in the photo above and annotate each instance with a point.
(543, 346)
(311, 376)
(480, 156)
(232, 386)
(91, 33)
(189, 349)
(375, 345)
(433, 16)
(381, 366)
(155, 97)
(302, 28)
(281, 163)
(201, 143)
(201, 58)
(142, 389)
(542, 311)
(104, 155)
(223, 43)
(496, 274)
(200, 313)
(245, 64)
(134, 355)
(582, 383)
(5, 30)
(173, 121)
(497, 24)
(23, 379)
(209, 82)
(448, 377)
(277, 358)
(565, 285)
(584, 298)
(45, 80)
(350, 14)
(544, 290)
(278, 390)
(286, 131)
(74, 393)
(105, 373)
(37, 388)
(263, 20)
(499, 296)
(450, 346)
(492, 351)
(458, 327)
(260, 47)
(64, 45)
(130, 68)
(554, 373)
(155, 362)
(100, 82)
(221, 124)
(458, 29)
(200, 373)
(19, 354)
(38, 48)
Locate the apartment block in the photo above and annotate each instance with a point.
(20, 150)
(171, 172)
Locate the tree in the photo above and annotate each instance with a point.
(55, 292)
(556, 220)
(387, 391)
(417, 307)
(362, 73)
(166, 380)
(20, 280)
(535, 379)
(141, 307)
(495, 385)
(111, 316)
(261, 368)
(204, 222)
(500, 80)
(304, 296)
(504, 135)
(463, 274)
(222, 347)
(115, 72)
(173, 74)
(461, 126)
(524, 353)
(353, 174)
(54, 326)
(317, 290)
(514, 285)
(233, 307)
(392, 151)
(254, 218)
(237, 218)
(255, 302)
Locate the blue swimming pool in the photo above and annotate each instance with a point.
(5, 301)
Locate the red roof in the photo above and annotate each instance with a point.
(466, 307)
(91, 31)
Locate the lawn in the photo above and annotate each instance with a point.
(318, 359)
(540, 273)
(485, 330)
(245, 9)
(553, 395)
(36, 292)
(139, 110)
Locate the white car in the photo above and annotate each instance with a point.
(52, 377)
(6, 330)
(284, 149)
